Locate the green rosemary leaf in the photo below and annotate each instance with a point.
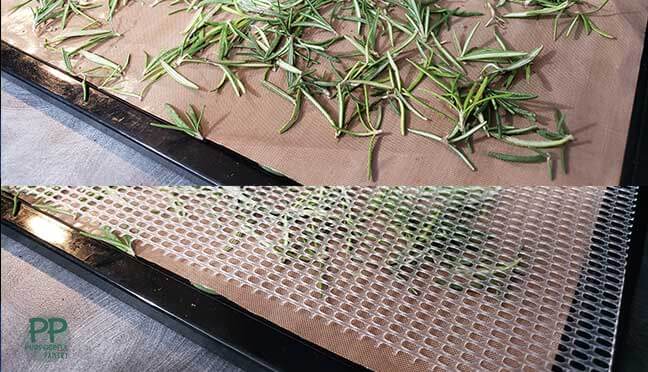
(600, 32)
(76, 34)
(84, 88)
(360, 134)
(446, 54)
(66, 12)
(464, 50)
(171, 112)
(95, 58)
(15, 205)
(488, 54)
(177, 76)
(550, 168)
(66, 61)
(403, 117)
(522, 62)
(177, 123)
(468, 134)
(295, 113)
(426, 134)
(463, 157)
(51, 208)
(541, 12)
(549, 134)
(205, 289)
(538, 144)
(123, 243)
(586, 23)
(280, 92)
(518, 131)
(538, 158)
(191, 115)
(372, 83)
(571, 26)
(288, 67)
(555, 24)
(327, 116)
(394, 67)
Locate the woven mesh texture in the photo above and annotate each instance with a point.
(407, 278)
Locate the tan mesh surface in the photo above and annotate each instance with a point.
(590, 78)
(394, 279)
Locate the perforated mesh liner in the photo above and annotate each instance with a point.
(394, 278)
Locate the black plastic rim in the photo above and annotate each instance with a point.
(631, 280)
(635, 162)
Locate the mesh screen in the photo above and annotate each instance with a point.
(407, 278)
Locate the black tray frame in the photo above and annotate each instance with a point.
(245, 339)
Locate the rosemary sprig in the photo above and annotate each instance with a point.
(84, 89)
(190, 126)
(558, 9)
(81, 33)
(60, 10)
(124, 243)
(50, 207)
(15, 207)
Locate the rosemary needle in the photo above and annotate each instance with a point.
(191, 126)
(177, 76)
(16, 205)
(538, 158)
(204, 288)
(84, 88)
(100, 60)
(123, 243)
(538, 144)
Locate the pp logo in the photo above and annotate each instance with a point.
(48, 338)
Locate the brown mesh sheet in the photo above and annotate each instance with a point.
(590, 78)
(460, 301)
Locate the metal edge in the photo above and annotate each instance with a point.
(631, 280)
(205, 161)
(635, 163)
(241, 337)
(575, 316)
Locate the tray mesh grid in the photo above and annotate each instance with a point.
(459, 278)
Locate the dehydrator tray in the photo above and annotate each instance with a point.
(596, 94)
(382, 278)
